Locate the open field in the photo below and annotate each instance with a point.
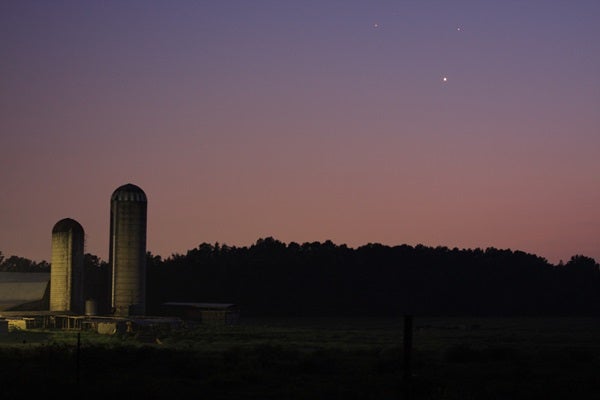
(331, 358)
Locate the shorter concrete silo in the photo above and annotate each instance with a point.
(66, 267)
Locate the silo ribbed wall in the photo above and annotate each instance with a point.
(66, 273)
(128, 250)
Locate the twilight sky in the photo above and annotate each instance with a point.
(304, 121)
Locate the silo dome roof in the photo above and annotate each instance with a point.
(129, 192)
(67, 225)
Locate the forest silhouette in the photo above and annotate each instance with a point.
(272, 278)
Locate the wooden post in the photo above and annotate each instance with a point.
(77, 359)
(407, 339)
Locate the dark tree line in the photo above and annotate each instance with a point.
(21, 264)
(274, 278)
(310, 279)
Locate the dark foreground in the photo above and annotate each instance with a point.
(452, 358)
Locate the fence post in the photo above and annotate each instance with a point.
(407, 340)
(77, 351)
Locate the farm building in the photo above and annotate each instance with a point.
(106, 300)
(24, 291)
(219, 313)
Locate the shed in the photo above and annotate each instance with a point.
(219, 313)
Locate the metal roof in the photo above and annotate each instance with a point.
(18, 288)
(200, 305)
(129, 192)
(68, 225)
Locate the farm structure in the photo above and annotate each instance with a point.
(213, 313)
(110, 300)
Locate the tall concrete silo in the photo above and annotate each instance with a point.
(66, 267)
(127, 252)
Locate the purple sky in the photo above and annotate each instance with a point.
(304, 121)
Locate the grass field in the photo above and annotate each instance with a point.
(329, 358)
